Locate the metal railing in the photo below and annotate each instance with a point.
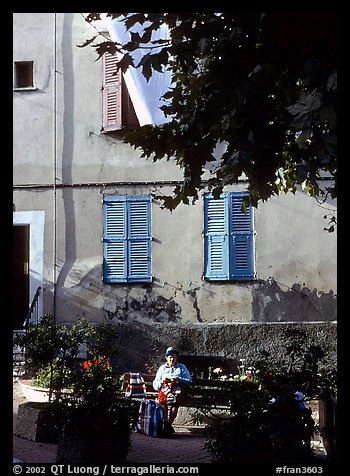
(33, 312)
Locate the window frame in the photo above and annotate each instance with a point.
(127, 238)
(118, 112)
(229, 240)
(29, 74)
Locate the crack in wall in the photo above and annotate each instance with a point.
(193, 294)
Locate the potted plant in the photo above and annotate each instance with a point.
(84, 397)
(96, 421)
(48, 348)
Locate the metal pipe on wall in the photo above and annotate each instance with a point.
(54, 165)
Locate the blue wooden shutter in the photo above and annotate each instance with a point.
(139, 238)
(241, 238)
(127, 238)
(114, 239)
(216, 237)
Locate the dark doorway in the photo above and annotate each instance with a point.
(20, 275)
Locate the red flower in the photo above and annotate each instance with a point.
(107, 363)
(99, 360)
(86, 363)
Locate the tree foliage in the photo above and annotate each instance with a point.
(262, 84)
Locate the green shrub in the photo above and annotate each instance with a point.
(52, 350)
(265, 421)
(93, 410)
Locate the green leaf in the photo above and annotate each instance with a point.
(106, 47)
(125, 62)
(146, 63)
(274, 106)
(131, 46)
(306, 104)
(93, 17)
(332, 81)
(131, 20)
(145, 38)
(88, 42)
(203, 44)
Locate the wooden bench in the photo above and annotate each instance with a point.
(202, 392)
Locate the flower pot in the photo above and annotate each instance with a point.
(32, 393)
(36, 394)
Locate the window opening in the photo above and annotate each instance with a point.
(24, 74)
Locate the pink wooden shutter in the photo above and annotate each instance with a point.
(111, 94)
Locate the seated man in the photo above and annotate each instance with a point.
(170, 380)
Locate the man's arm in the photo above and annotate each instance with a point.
(157, 382)
(185, 374)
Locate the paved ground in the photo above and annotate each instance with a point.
(185, 447)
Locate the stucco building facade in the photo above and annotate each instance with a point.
(65, 164)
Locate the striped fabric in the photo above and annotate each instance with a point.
(168, 394)
(136, 387)
(150, 418)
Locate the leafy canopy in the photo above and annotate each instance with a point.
(262, 84)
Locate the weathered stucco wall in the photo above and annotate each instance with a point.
(295, 258)
(232, 341)
(282, 292)
(272, 302)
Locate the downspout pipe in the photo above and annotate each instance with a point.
(55, 166)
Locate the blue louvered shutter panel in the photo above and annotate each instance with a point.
(114, 239)
(216, 246)
(139, 238)
(241, 238)
(127, 238)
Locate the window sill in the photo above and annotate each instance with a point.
(29, 88)
(231, 280)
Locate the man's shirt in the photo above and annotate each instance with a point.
(171, 371)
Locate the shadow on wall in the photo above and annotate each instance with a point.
(98, 301)
(296, 304)
(67, 150)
